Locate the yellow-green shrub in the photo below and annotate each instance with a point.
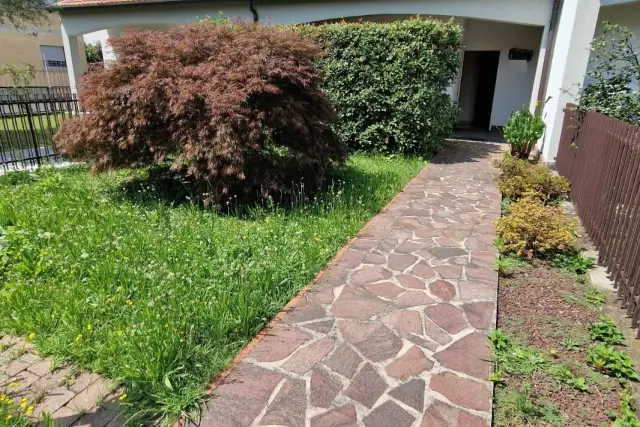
(510, 166)
(530, 228)
(519, 178)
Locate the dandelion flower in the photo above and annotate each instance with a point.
(123, 397)
(29, 410)
(31, 336)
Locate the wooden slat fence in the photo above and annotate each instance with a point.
(601, 157)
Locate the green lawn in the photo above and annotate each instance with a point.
(161, 296)
(15, 132)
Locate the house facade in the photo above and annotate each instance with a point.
(39, 46)
(516, 52)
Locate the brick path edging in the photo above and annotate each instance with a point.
(71, 397)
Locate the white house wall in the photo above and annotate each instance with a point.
(515, 78)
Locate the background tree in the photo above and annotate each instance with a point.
(614, 75)
(21, 13)
(93, 52)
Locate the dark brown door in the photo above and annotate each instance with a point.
(487, 73)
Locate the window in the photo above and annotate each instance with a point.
(52, 63)
(53, 58)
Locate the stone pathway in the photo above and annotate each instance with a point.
(393, 334)
(70, 396)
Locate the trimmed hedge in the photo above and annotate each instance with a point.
(387, 82)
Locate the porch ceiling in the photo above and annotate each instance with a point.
(84, 3)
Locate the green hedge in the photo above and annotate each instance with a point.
(387, 82)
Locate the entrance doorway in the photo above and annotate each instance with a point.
(477, 87)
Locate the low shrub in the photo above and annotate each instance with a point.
(522, 131)
(532, 228)
(388, 82)
(511, 166)
(519, 178)
(236, 107)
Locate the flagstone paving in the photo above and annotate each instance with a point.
(394, 332)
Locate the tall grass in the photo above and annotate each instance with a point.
(161, 296)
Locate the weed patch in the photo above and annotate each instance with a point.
(605, 330)
(627, 416)
(506, 265)
(611, 361)
(571, 261)
(522, 408)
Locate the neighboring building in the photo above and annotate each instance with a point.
(517, 52)
(40, 46)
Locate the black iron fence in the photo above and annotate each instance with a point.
(28, 120)
(8, 93)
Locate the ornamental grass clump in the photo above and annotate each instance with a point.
(531, 228)
(235, 107)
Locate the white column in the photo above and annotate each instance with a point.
(454, 90)
(569, 60)
(539, 66)
(75, 57)
(108, 55)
